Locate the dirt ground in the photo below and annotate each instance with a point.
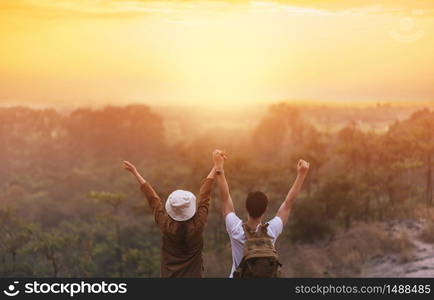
(418, 263)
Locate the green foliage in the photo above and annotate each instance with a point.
(308, 222)
(68, 209)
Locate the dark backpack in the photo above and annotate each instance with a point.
(260, 259)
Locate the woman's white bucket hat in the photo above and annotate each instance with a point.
(181, 205)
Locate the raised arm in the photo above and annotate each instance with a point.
(285, 208)
(132, 169)
(153, 199)
(204, 199)
(225, 197)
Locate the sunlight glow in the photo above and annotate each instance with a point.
(214, 53)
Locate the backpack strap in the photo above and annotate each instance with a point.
(262, 232)
(248, 232)
(264, 229)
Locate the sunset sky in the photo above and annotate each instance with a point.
(214, 52)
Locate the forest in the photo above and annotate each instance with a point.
(68, 209)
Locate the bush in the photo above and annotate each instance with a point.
(427, 235)
(308, 222)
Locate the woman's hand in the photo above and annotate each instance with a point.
(130, 167)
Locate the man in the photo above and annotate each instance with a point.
(256, 205)
(181, 224)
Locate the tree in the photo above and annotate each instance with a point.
(416, 136)
(114, 132)
(338, 197)
(114, 201)
(52, 245)
(282, 125)
(14, 236)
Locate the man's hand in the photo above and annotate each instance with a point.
(302, 167)
(219, 157)
(129, 167)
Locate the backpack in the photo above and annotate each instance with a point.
(260, 259)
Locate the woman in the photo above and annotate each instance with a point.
(181, 223)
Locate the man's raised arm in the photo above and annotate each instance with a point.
(226, 200)
(285, 208)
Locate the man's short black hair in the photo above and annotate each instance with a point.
(256, 204)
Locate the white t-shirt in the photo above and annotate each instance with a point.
(234, 227)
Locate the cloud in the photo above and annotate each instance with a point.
(84, 8)
(348, 4)
(421, 8)
(132, 8)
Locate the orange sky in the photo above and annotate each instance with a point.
(214, 53)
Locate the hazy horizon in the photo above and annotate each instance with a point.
(69, 105)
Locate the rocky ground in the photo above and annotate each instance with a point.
(419, 262)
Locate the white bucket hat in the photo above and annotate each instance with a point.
(181, 205)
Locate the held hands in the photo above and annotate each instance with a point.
(129, 167)
(219, 156)
(302, 167)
